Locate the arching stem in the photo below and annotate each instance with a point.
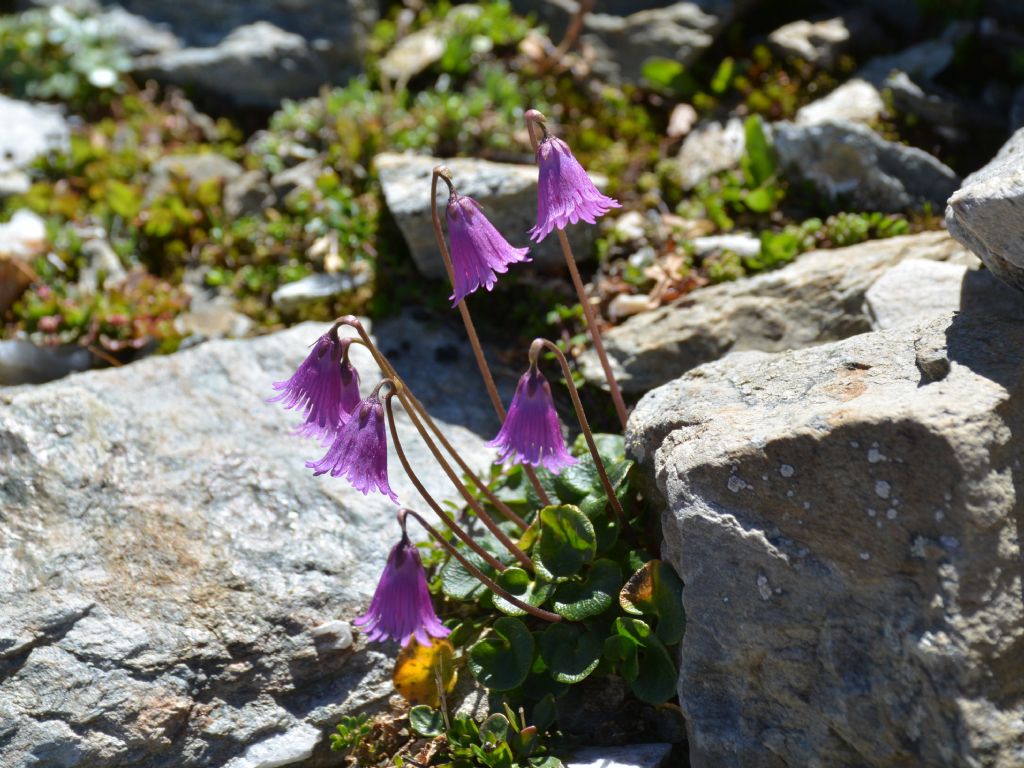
(533, 610)
(535, 121)
(444, 173)
(445, 517)
(535, 349)
(499, 534)
(416, 411)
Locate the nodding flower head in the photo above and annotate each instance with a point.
(532, 433)
(359, 452)
(479, 252)
(565, 193)
(401, 607)
(325, 387)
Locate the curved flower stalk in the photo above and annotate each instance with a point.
(532, 433)
(325, 387)
(565, 193)
(359, 452)
(401, 608)
(443, 172)
(479, 252)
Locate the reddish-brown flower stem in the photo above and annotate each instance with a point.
(533, 610)
(442, 172)
(534, 121)
(445, 517)
(416, 411)
(535, 349)
(493, 527)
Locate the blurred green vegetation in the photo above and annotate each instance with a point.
(175, 236)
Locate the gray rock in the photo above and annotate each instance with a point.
(631, 756)
(216, 319)
(940, 108)
(258, 64)
(624, 34)
(246, 194)
(740, 243)
(22, 362)
(856, 101)
(26, 132)
(316, 288)
(102, 266)
(301, 176)
(14, 182)
(710, 149)
(850, 161)
(913, 290)
(982, 214)
(817, 298)
(415, 52)
(139, 36)
(923, 61)
(848, 529)
(23, 235)
(197, 169)
(817, 42)
(507, 193)
(173, 580)
(254, 53)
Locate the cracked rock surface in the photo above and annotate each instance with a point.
(820, 297)
(847, 520)
(175, 586)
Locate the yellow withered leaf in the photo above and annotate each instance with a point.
(421, 669)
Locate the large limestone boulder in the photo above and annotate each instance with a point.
(849, 161)
(27, 130)
(175, 586)
(847, 521)
(624, 34)
(984, 213)
(507, 192)
(820, 297)
(251, 53)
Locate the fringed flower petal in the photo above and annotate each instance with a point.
(359, 453)
(479, 252)
(532, 433)
(401, 608)
(565, 193)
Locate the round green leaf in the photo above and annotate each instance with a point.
(577, 600)
(460, 584)
(571, 653)
(426, 721)
(656, 674)
(519, 584)
(501, 660)
(494, 728)
(567, 542)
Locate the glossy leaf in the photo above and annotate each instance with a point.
(494, 728)
(460, 584)
(501, 660)
(570, 652)
(656, 674)
(577, 600)
(567, 542)
(518, 583)
(426, 721)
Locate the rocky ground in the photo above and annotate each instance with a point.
(826, 370)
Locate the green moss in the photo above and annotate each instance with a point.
(56, 54)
